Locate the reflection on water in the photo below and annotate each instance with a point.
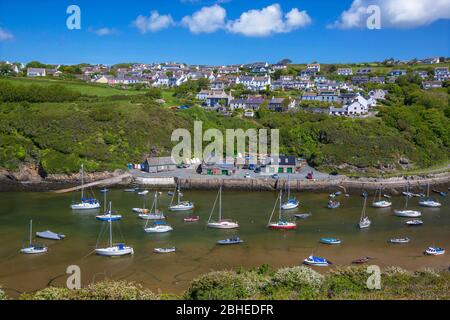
(197, 252)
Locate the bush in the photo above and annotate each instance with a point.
(223, 285)
(105, 290)
(301, 280)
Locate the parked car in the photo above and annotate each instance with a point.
(275, 176)
(247, 176)
(258, 170)
(334, 173)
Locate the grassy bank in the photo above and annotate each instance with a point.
(295, 283)
(58, 124)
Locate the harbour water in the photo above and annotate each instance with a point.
(197, 252)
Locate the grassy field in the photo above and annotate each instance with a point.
(82, 87)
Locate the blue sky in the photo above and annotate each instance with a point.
(226, 32)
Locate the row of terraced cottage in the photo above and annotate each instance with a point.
(263, 164)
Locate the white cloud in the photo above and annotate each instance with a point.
(104, 31)
(268, 20)
(5, 35)
(154, 22)
(395, 13)
(206, 20)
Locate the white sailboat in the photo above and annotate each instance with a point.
(380, 203)
(109, 214)
(153, 213)
(114, 250)
(33, 248)
(291, 203)
(281, 223)
(181, 205)
(85, 203)
(221, 223)
(428, 201)
(364, 221)
(407, 213)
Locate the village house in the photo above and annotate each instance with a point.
(364, 71)
(252, 103)
(421, 74)
(360, 80)
(281, 164)
(158, 164)
(441, 74)
(345, 98)
(426, 85)
(397, 73)
(315, 67)
(344, 71)
(378, 94)
(36, 72)
(309, 96)
(377, 80)
(328, 96)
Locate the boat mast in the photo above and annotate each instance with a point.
(363, 213)
(104, 201)
(110, 233)
(178, 184)
(220, 203)
(82, 182)
(31, 231)
(279, 207)
(289, 188)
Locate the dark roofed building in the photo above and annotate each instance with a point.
(158, 164)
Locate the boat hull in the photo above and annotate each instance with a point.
(158, 229)
(407, 213)
(218, 225)
(381, 204)
(34, 250)
(144, 216)
(108, 218)
(114, 251)
(181, 207)
(276, 226)
(85, 206)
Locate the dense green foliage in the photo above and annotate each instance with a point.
(294, 283)
(60, 124)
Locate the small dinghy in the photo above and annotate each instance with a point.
(131, 190)
(164, 250)
(333, 204)
(158, 227)
(316, 261)
(303, 215)
(142, 193)
(235, 240)
(414, 222)
(434, 251)
(330, 241)
(407, 194)
(33, 248)
(400, 240)
(104, 190)
(441, 193)
(191, 219)
(361, 260)
(407, 213)
(364, 194)
(387, 196)
(50, 235)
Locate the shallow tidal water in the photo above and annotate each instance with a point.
(197, 252)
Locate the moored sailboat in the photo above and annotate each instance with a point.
(33, 248)
(429, 201)
(281, 223)
(154, 213)
(114, 250)
(380, 203)
(221, 223)
(181, 205)
(364, 221)
(85, 203)
(291, 203)
(407, 213)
